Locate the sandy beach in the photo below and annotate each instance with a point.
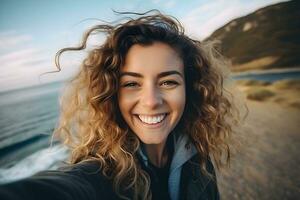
(267, 164)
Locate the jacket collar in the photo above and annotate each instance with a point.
(184, 150)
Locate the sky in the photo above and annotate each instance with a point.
(32, 31)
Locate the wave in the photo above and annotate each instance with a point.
(49, 158)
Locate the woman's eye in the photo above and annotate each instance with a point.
(169, 83)
(130, 85)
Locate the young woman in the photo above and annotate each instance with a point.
(143, 118)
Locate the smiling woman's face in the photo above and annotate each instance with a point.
(152, 91)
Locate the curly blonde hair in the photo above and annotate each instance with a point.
(91, 123)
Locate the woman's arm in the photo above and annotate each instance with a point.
(83, 181)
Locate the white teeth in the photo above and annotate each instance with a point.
(152, 120)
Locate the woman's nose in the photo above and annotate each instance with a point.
(151, 97)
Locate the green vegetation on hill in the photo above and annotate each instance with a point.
(267, 38)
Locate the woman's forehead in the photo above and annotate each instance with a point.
(154, 57)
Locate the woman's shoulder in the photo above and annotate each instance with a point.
(82, 168)
(77, 181)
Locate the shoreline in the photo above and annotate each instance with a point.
(267, 71)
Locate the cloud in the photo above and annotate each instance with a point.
(22, 63)
(11, 39)
(22, 67)
(22, 58)
(203, 20)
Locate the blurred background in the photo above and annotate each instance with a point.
(261, 38)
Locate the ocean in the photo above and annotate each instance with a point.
(28, 117)
(270, 76)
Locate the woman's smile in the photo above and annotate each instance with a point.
(152, 121)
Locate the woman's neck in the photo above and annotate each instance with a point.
(157, 154)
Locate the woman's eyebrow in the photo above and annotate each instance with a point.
(134, 74)
(168, 73)
(160, 75)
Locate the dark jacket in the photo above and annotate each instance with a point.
(85, 182)
(194, 185)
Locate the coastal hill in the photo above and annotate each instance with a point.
(265, 39)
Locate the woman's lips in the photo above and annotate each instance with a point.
(152, 121)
